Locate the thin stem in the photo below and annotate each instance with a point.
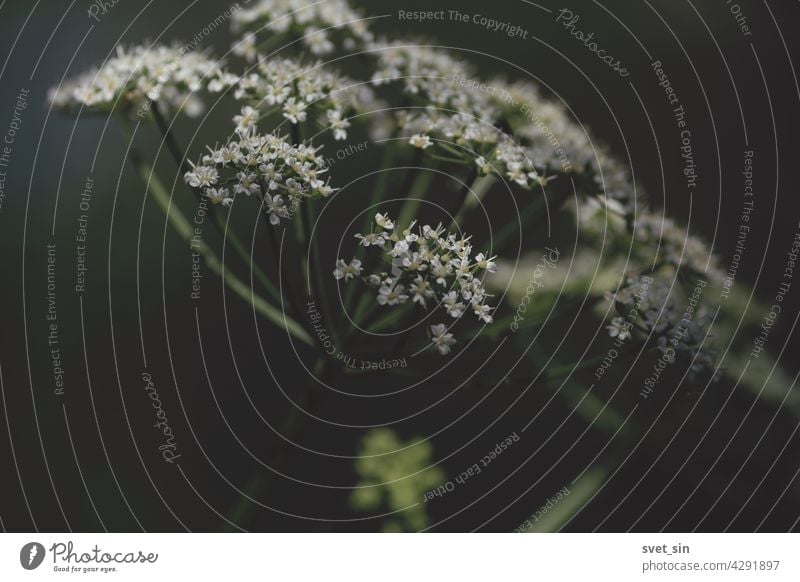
(169, 139)
(389, 318)
(180, 159)
(531, 211)
(378, 193)
(479, 188)
(463, 195)
(247, 258)
(416, 194)
(185, 230)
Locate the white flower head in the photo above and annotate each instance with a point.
(219, 196)
(246, 120)
(388, 295)
(383, 221)
(441, 339)
(487, 264)
(619, 328)
(143, 77)
(420, 141)
(347, 271)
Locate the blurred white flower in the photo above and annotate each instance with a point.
(135, 78)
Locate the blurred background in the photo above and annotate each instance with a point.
(711, 458)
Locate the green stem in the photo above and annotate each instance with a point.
(532, 210)
(246, 257)
(561, 372)
(316, 284)
(185, 230)
(389, 318)
(378, 193)
(416, 194)
(479, 187)
(180, 159)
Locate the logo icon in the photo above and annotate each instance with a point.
(31, 555)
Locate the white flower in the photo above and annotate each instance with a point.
(276, 208)
(441, 339)
(338, 125)
(219, 196)
(383, 221)
(483, 312)
(294, 111)
(247, 184)
(435, 267)
(347, 271)
(422, 291)
(391, 296)
(246, 120)
(452, 305)
(264, 164)
(487, 264)
(420, 141)
(317, 41)
(318, 25)
(141, 75)
(373, 238)
(619, 328)
(414, 262)
(202, 176)
(400, 249)
(302, 89)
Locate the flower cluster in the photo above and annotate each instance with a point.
(298, 90)
(430, 76)
(395, 473)
(139, 76)
(316, 23)
(267, 166)
(677, 326)
(452, 107)
(674, 245)
(452, 111)
(473, 141)
(427, 266)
